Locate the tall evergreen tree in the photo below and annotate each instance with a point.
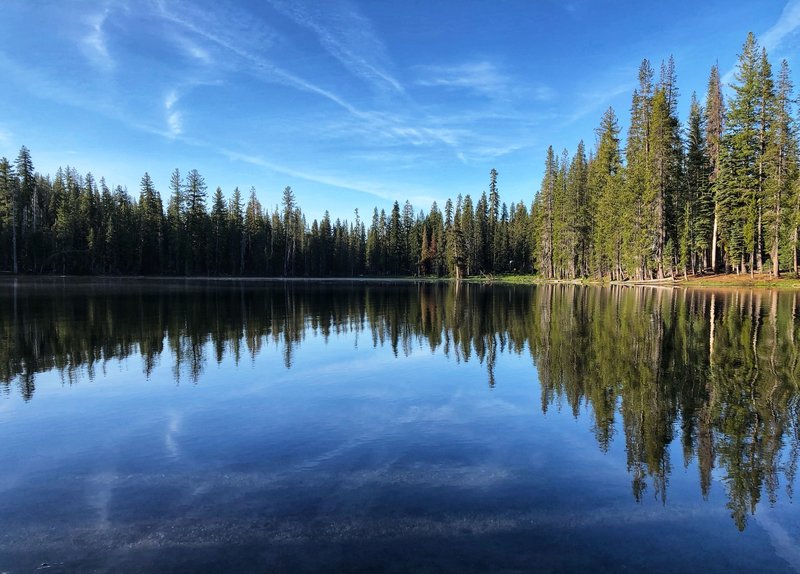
(494, 220)
(696, 240)
(715, 124)
(740, 178)
(8, 209)
(219, 232)
(782, 153)
(236, 244)
(637, 202)
(196, 221)
(290, 231)
(150, 228)
(543, 207)
(605, 182)
(176, 222)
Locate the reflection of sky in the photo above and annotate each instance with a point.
(381, 446)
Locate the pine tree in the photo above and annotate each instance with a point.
(467, 238)
(374, 266)
(696, 240)
(24, 216)
(657, 192)
(150, 227)
(544, 215)
(561, 219)
(196, 221)
(675, 187)
(219, 232)
(459, 257)
(176, 222)
(740, 178)
(715, 124)
(290, 232)
(480, 232)
(90, 236)
(766, 103)
(495, 257)
(580, 215)
(782, 155)
(395, 240)
(605, 183)
(8, 208)
(409, 245)
(636, 204)
(255, 256)
(236, 244)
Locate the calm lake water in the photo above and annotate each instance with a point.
(294, 427)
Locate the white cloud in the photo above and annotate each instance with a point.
(787, 23)
(192, 49)
(94, 41)
(174, 117)
(380, 190)
(388, 126)
(175, 123)
(597, 101)
(481, 77)
(484, 78)
(346, 35)
(170, 99)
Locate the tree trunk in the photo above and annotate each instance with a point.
(714, 240)
(776, 271)
(759, 262)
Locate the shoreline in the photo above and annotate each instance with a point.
(758, 281)
(745, 281)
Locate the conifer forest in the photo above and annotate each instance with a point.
(657, 197)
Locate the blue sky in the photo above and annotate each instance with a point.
(352, 103)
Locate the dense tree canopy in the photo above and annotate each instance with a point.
(719, 193)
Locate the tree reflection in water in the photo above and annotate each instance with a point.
(719, 369)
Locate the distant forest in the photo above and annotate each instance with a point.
(718, 193)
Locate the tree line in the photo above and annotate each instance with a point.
(719, 193)
(74, 224)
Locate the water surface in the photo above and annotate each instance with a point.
(226, 426)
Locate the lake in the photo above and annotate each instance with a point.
(233, 426)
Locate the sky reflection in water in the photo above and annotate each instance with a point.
(237, 426)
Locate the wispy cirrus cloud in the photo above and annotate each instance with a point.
(245, 47)
(788, 22)
(192, 49)
(232, 46)
(784, 27)
(346, 35)
(596, 101)
(174, 116)
(481, 77)
(387, 125)
(378, 189)
(94, 42)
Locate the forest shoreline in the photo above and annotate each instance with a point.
(744, 281)
(762, 280)
(731, 280)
